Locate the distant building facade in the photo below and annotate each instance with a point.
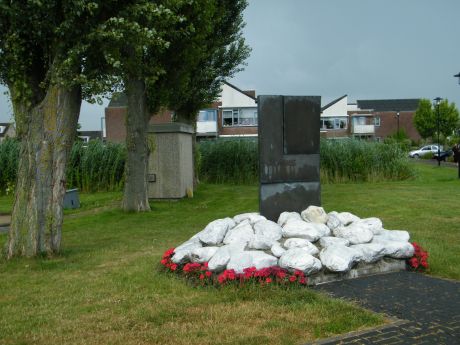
(7, 130)
(234, 114)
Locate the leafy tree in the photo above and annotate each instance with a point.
(199, 46)
(49, 62)
(426, 119)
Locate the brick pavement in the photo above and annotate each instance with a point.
(424, 309)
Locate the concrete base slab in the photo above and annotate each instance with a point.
(384, 265)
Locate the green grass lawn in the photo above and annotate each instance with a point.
(105, 288)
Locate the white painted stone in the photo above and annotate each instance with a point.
(268, 229)
(301, 229)
(373, 224)
(329, 241)
(220, 259)
(370, 252)
(395, 249)
(314, 214)
(241, 233)
(333, 220)
(301, 243)
(323, 229)
(277, 250)
(299, 259)
(183, 252)
(203, 254)
(287, 216)
(253, 217)
(347, 218)
(354, 233)
(260, 242)
(258, 259)
(215, 231)
(338, 258)
(193, 242)
(394, 235)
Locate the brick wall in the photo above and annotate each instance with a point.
(115, 124)
(389, 124)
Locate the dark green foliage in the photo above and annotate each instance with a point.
(96, 166)
(236, 161)
(92, 167)
(9, 155)
(229, 161)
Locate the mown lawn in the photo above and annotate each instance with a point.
(105, 288)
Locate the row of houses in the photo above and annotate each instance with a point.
(234, 114)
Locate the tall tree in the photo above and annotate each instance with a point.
(205, 47)
(426, 118)
(46, 61)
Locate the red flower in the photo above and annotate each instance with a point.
(292, 279)
(204, 267)
(298, 273)
(164, 261)
(281, 274)
(201, 276)
(303, 280)
(221, 279)
(268, 280)
(168, 253)
(173, 267)
(208, 274)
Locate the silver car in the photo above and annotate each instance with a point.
(428, 149)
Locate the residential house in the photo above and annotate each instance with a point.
(233, 114)
(383, 117)
(7, 130)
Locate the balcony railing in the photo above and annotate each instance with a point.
(203, 127)
(363, 129)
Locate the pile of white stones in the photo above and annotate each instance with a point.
(312, 241)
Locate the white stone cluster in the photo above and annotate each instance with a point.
(310, 241)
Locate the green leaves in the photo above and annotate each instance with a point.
(426, 118)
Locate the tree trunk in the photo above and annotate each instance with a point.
(47, 132)
(135, 196)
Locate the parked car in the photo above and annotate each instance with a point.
(428, 149)
(443, 155)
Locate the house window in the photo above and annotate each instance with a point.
(333, 123)
(361, 120)
(239, 117)
(377, 121)
(207, 115)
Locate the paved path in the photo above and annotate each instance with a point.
(426, 309)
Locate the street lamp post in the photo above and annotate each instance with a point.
(437, 101)
(458, 160)
(397, 117)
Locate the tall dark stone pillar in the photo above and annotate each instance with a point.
(288, 153)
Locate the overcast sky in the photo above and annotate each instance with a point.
(367, 49)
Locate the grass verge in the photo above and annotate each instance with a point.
(105, 287)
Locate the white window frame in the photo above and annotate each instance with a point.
(377, 121)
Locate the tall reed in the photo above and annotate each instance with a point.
(96, 166)
(236, 161)
(9, 154)
(229, 161)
